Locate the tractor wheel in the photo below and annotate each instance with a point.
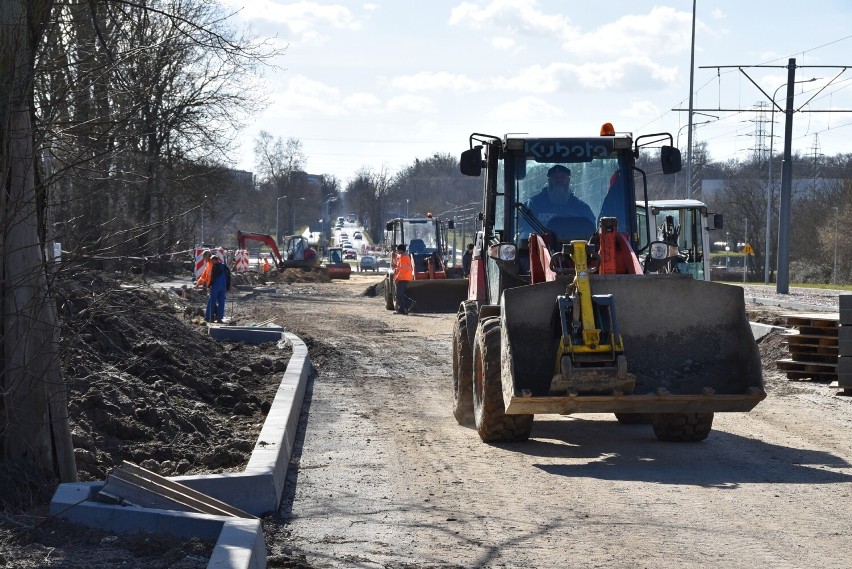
(389, 293)
(682, 427)
(492, 422)
(463, 332)
(634, 418)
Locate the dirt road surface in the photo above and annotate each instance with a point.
(383, 476)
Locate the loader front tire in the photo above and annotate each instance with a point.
(682, 427)
(492, 422)
(389, 293)
(463, 332)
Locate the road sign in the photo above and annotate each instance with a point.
(747, 250)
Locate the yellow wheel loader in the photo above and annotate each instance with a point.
(564, 315)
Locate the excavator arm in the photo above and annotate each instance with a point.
(265, 239)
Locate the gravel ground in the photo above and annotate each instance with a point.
(179, 408)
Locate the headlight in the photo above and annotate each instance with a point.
(659, 250)
(503, 252)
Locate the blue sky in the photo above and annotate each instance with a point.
(377, 84)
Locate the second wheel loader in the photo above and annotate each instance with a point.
(434, 287)
(562, 317)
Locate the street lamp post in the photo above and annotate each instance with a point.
(406, 207)
(834, 266)
(277, 231)
(677, 143)
(294, 217)
(769, 188)
(727, 250)
(745, 255)
(202, 221)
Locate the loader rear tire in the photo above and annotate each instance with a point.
(682, 427)
(389, 293)
(463, 332)
(492, 422)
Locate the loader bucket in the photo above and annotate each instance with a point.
(437, 295)
(688, 342)
(338, 270)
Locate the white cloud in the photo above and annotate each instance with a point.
(512, 17)
(442, 81)
(361, 102)
(525, 109)
(640, 109)
(370, 7)
(307, 22)
(623, 74)
(662, 30)
(503, 43)
(413, 103)
(303, 96)
(536, 79)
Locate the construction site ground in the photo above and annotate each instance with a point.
(383, 477)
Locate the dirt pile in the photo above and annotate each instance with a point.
(147, 386)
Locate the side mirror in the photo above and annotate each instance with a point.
(670, 159)
(718, 221)
(451, 224)
(389, 226)
(471, 161)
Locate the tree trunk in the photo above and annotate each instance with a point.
(33, 388)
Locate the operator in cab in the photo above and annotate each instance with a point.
(559, 210)
(557, 199)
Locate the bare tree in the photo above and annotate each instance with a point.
(279, 168)
(35, 406)
(125, 95)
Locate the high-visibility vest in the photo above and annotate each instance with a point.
(404, 269)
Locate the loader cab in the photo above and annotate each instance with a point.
(423, 237)
(684, 223)
(523, 196)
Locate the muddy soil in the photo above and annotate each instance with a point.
(382, 476)
(146, 384)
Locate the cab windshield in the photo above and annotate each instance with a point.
(567, 198)
(420, 236)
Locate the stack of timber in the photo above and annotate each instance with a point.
(813, 346)
(844, 360)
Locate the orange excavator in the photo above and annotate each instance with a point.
(297, 252)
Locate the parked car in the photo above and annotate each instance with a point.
(368, 263)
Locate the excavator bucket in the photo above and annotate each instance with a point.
(437, 295)
(687, 342)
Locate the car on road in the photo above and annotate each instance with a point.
(357, 235)
(368, 263)
(350, 254)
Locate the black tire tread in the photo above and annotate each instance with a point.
(463, 364)
(492, 422)
(682, 427)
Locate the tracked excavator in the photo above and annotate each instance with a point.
(436, 287)
(563, 314)
(297, 252)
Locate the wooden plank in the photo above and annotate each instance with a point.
(799, 340)
(810, 367)
(132, 483)
(813, 317)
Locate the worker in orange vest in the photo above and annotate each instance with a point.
(204, 278)
(266, 266)
(402, 275)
